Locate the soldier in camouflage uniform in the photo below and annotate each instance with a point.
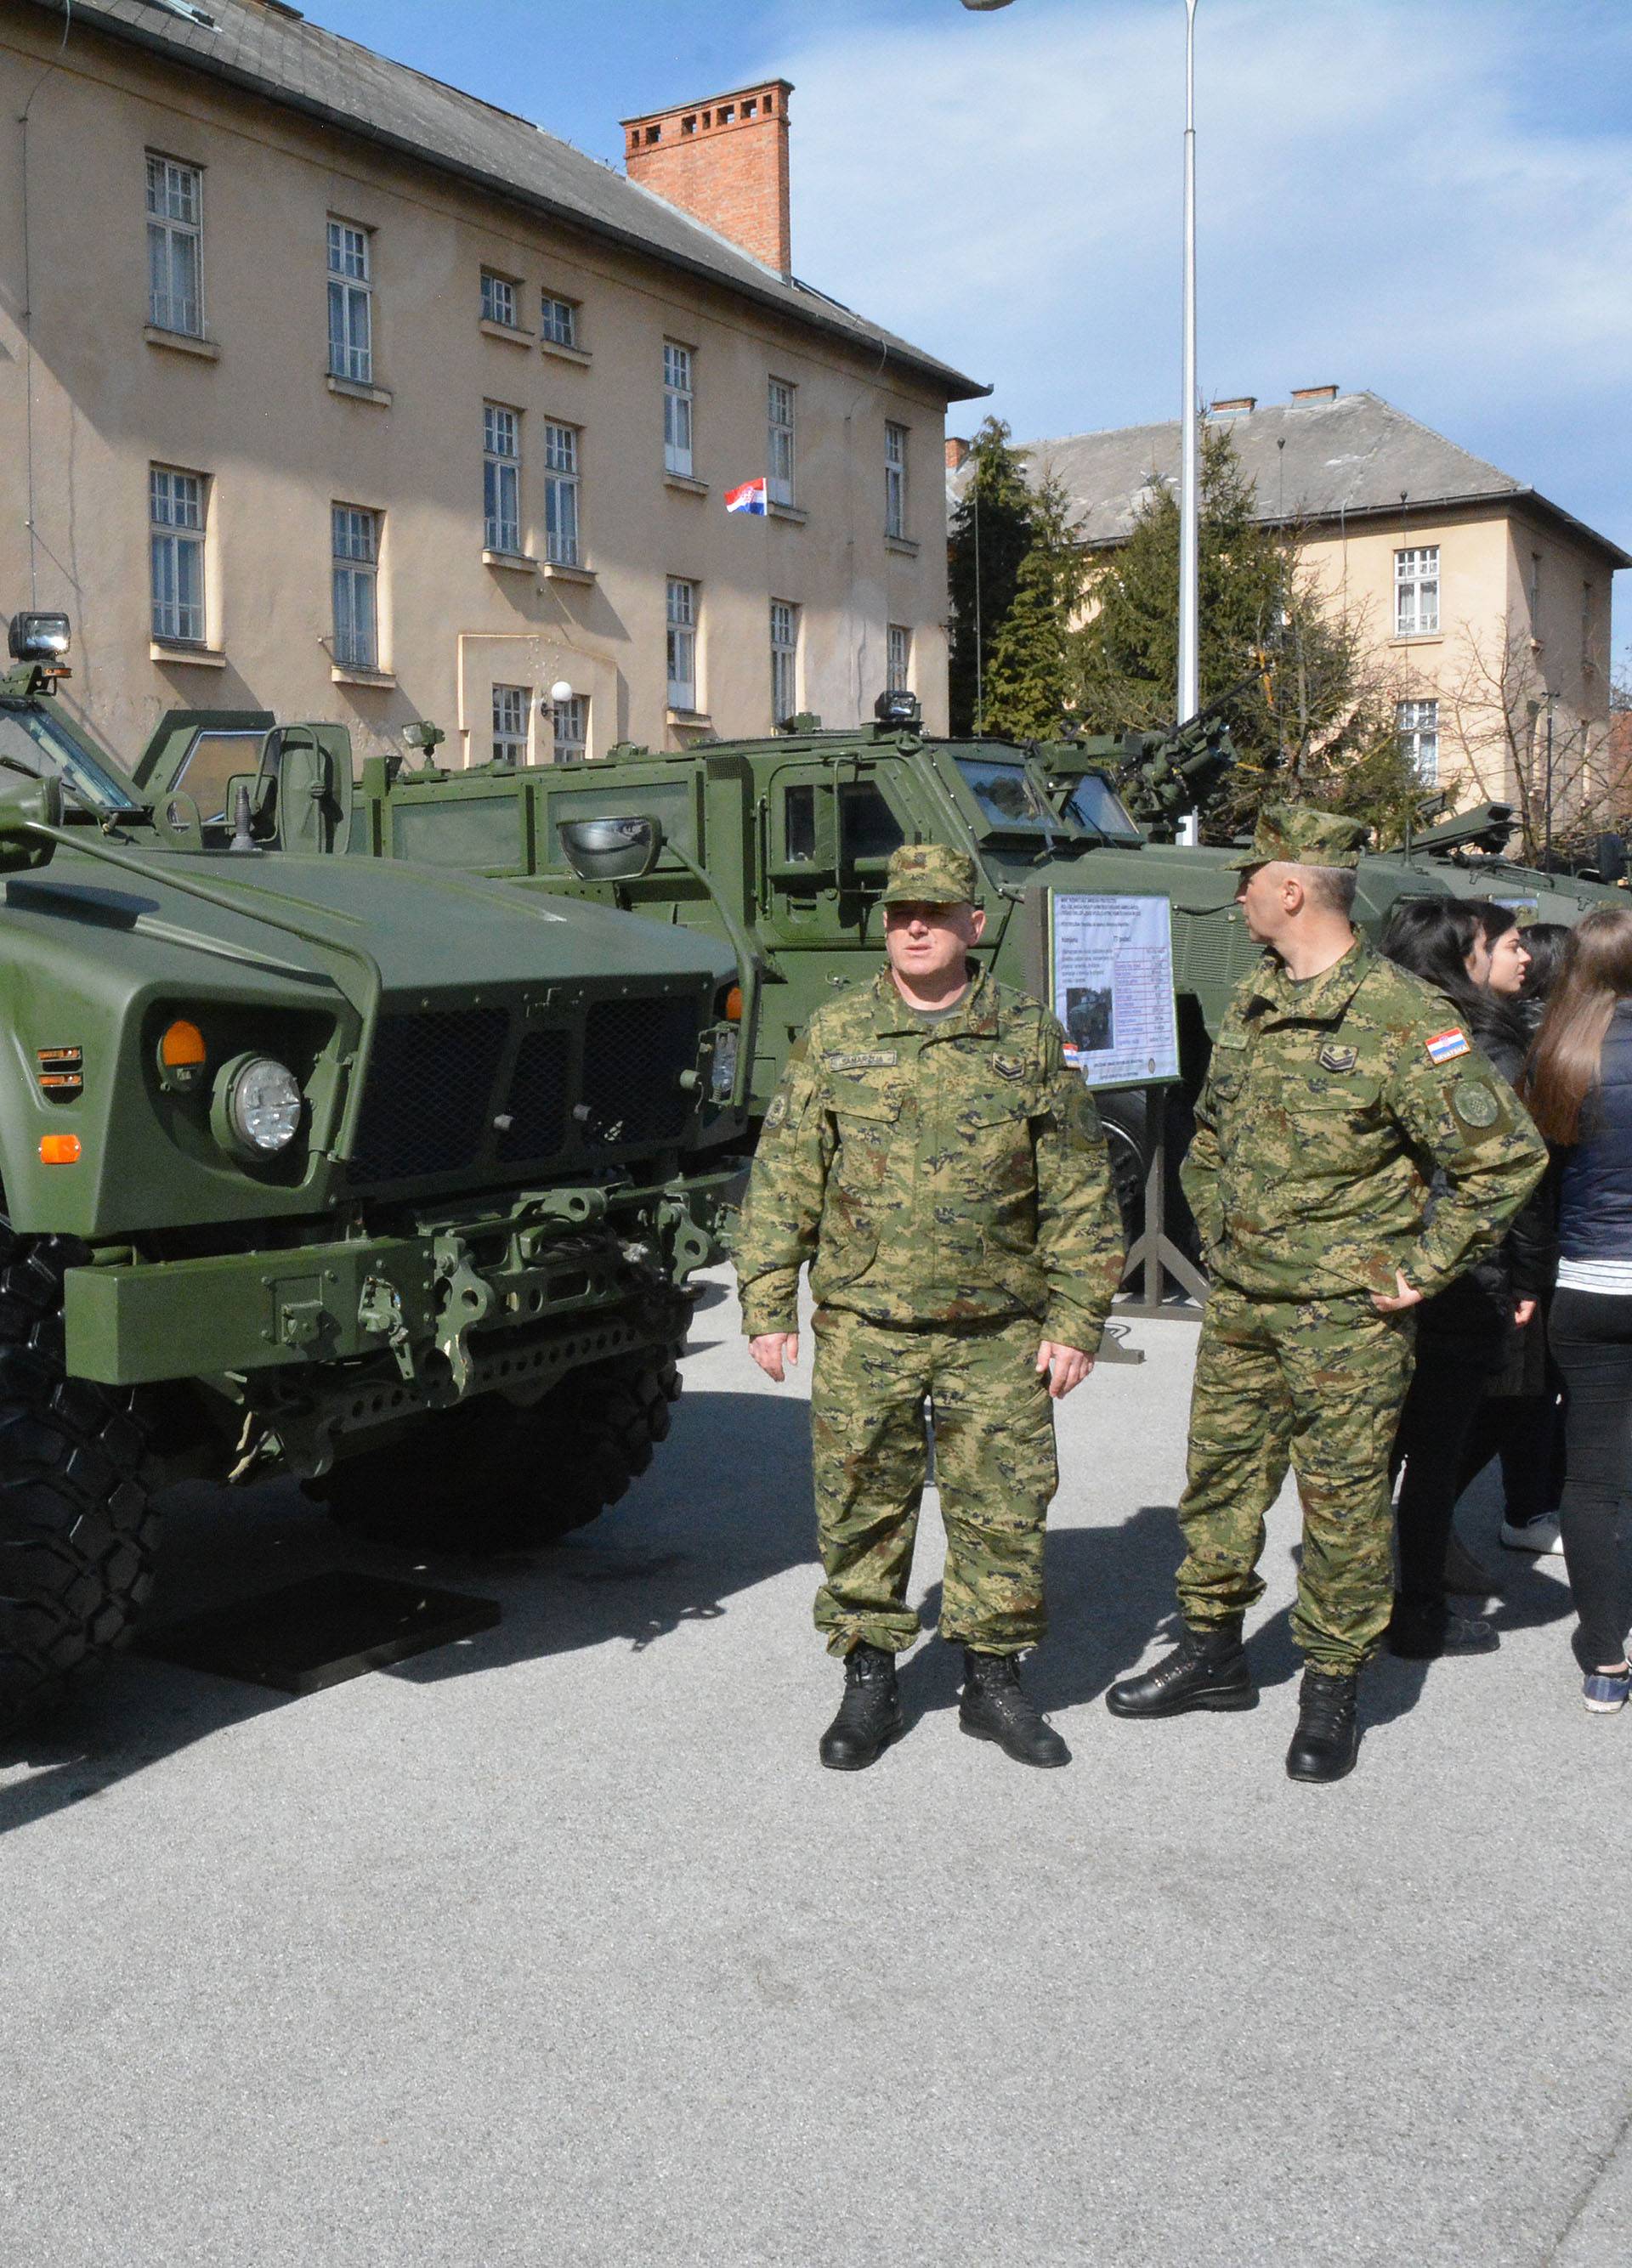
(1338, 1082)
(942, 1171)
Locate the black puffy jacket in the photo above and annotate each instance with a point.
(1595, 1191)
(1480, 1304)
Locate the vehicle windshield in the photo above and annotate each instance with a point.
(34, 740)
(1095, 804)
(1008, 795)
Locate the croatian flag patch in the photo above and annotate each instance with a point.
(749, 497)
(1444, 1045)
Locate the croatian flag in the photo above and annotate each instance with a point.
(749, 497)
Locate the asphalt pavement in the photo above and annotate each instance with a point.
(556, 1945)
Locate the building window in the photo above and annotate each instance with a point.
(681, 644)
(895, 479)
(511, 707)
(570, 726)
(501, 478)
(779, 444)
(783, 660)
(677, 406)
(561, 495)
(1416, 592)
(175, 508)
(497, 299)
(557, 321)
(351, 305)
(898, 657)
(1417, 724)
(175, 221)
(355, 538)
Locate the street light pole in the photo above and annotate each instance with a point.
(1190, 467)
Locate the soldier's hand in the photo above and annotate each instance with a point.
(1066, 1367)
(772, 1349)
(1524, 1312)
(1409, 1297)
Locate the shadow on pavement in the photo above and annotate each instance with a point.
(727, 1506)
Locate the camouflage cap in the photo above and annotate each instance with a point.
(929, 875)
(1303, 837)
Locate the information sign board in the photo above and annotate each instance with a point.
(1110, 983)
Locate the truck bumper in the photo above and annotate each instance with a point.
(440, 1302)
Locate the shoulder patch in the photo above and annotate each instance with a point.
(1445, 1047)
(864, 1059)
(778, 1111)
(1475, 1103)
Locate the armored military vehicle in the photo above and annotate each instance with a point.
(388, 1177)
(1468, 853)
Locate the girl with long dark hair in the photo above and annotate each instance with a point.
(1464, 1332)
(1578, 1086)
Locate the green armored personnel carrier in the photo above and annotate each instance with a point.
(387, 1177)
(1468, 853)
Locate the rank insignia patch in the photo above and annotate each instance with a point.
(1332, 1058)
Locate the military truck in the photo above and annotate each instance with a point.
(388, 1177)
(1468, 853)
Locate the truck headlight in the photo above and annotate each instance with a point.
(258, 1105)
(722, 1074)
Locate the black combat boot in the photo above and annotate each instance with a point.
(1422, 1628)
(1209, 1670)
(993, 1707)
(1327, 1741)
(869, 1716)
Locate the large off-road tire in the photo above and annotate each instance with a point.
(488, 1477)
(77, 1526)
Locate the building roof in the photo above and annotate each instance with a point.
(1343, 458)
(271, 51)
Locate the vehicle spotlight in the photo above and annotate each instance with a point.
(898, 707)
(38, 637)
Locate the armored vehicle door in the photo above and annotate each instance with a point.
(198, 752)
(827, 831)
(300, 793)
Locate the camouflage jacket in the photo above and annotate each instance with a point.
(933, 1175)
(1327, 1107)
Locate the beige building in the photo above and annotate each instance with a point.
(327, 390)
(1485, 608)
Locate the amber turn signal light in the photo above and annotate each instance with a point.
(183, 1044)
(733, 1004)
(59, 1149)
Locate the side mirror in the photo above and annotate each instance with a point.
(611, 850)
(25, 804)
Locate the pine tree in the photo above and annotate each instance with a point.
(994, 523)
(1030, 689)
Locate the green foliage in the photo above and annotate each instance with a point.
(1311, 720)
(993, 529)
(1029, 688)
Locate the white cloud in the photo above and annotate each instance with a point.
(1383, 203)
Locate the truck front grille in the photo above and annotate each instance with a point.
(634, 1052)
(428, 1104)
(536, 1104)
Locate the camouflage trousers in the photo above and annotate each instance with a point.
(995, 1466)
(1317, 1385)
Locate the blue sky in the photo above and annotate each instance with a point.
(1432, 201)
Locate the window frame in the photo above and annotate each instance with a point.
(1416, 570)
(563, 522)
(350, 302)
(896, 439)
(173, 229)
(498, 281)
(682, 617)
(501, 478)
(548, 334)
(519, 737)
(782, 439)
(571, 750)
(1416, 723)
(177, 618)
(898, 657)
(679, 409)
(784, 617)
(357, 573)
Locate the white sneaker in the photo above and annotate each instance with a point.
(1539, 1535)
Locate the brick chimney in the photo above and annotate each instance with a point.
(1314, 394)
(725, 162)
(957, 453)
